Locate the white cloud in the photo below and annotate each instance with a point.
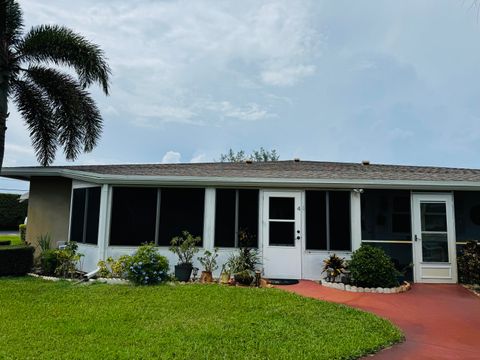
(171, 157)
(287, 76)
(199, 158)
(249, 112)
(19, 149)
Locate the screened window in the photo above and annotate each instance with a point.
(134, 213)
(467, 215)
(235, 210)
(85, 213)
(386, 215)
(180, 209)
(328, 220)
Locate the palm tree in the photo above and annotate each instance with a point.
(56, 108)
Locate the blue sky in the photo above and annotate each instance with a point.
(389, 81)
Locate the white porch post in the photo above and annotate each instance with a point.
(103, 222)
(356, 220)
(209, 219)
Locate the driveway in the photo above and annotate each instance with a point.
(439, 321)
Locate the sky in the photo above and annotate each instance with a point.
(394, 82)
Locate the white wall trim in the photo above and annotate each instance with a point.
(209, 219)
(356, 219)
(103, 222)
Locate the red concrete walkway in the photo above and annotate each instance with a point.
(439, 321)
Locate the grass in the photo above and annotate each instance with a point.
(47, 320)
(15, 239)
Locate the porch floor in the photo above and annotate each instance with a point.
(439, 321)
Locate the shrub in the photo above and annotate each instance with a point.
(12, 212)
(371, 267)
(185, 247)
(469, 263)
(246, 259)
(16, 260)
(48, 262)
(333, 266)
(67, 260)
(114, 268)
(22, 228)
(147, 267)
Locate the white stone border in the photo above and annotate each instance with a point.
(49, 278)
(110, 281)
(340, 286)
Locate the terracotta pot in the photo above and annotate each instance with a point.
(206, 277)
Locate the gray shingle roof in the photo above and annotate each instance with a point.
(287, 170)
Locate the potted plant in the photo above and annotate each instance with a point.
(334, 266)
(244, 262)
(185, 247)
(209, 263)
(225, 274)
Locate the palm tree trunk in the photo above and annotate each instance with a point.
(3, 78)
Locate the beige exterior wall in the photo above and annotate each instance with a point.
(48, 209)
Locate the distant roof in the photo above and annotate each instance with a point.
(280, 170)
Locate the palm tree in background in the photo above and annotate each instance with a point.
(55, 106)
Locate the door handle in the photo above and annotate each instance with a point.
(417, 238)
(298, 237)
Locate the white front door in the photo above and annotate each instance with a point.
(282, 234)
(434, 252)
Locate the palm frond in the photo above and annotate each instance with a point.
(78, 119)
(14, 22)
(62, 46)
(36, 110)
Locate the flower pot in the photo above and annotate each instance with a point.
(224, 278)
(243, 278)
(206, 277)
(183, 272)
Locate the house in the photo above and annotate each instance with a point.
(299, 212)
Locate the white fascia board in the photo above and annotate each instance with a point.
(241, 181)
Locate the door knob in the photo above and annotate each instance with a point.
(417, 238)
(298, 237)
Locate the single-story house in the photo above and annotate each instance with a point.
(298, 212)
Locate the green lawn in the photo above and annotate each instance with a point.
(47, 320)
(15, 239)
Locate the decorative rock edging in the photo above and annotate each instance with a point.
(49, 278)
(340, 286)
(111, 281)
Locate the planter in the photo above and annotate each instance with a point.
(206, 277)
(224, 278)
(244, 278)
(183, 272)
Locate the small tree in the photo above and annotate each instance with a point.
(260, 155)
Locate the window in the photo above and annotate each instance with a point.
(134, 216)
(180, 209)
(467, 215)
(235, 210)
(328, 220)
(386, 215)
(85, 213)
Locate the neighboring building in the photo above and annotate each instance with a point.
(299, 211)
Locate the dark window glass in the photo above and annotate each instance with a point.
(282, 233)
(78, 215)
(248, 214)
(386, 215)
(180, 209)
(467, 215)
(282, 208)
(316, 220)
(133, 216)
(225, 218)
(93, 213)
(434, 216)
(339, 216)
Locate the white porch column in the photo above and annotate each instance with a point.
(209, 219)
(103, 221)
(356, 220)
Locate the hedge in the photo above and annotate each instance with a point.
(12, 212)
(16, 260)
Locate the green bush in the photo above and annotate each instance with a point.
(16, 260)
(147, 267)
(12, 212)
(48, 262)
(469, 263)
(371, 267)
(22, 229)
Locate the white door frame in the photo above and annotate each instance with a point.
(278, 261)
(433, 272)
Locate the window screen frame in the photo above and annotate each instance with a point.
(327, 220)
(85, 219)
